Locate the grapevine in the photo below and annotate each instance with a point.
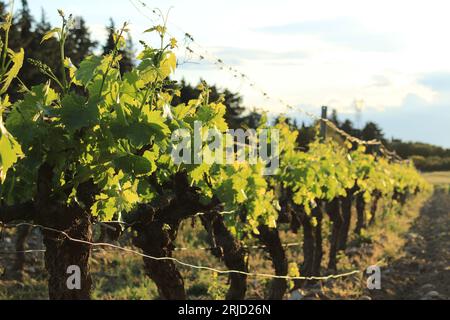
(95, 145)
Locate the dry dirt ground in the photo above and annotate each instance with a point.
(423, 270)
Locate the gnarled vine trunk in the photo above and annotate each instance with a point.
(271, 239)
(157, 228)
(403, 198)
(22, 235)
(312, 243)
(230, 250)
(66, 260)
(374, 207)
(333, 209)
(361, 214)
(346, 208)
(308, 244)
(156, 239)
(307, 268)
(318, 248)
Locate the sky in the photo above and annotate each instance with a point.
(391, 58)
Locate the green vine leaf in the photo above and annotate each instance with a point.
(17, 62)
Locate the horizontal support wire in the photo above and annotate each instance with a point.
(185, 264)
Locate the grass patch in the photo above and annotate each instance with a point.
(438, 178)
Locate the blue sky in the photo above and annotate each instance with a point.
(393, 55)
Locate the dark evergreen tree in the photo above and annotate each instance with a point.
(251, 121)
(372, 132)
(334, 117)
(348, 127)
(306, 135)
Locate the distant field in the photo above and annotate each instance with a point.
(438, 178)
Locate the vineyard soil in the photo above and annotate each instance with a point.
(423, 272)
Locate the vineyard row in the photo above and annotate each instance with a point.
(92, 144)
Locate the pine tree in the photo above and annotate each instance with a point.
(306, 135)
(251, 121)
(25, 23)
(334, 117)
(372, 132)
(348, 127)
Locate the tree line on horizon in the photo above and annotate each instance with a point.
(28, 31)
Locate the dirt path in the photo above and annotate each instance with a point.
(422, 270)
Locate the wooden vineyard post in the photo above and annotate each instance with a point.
(323, 125)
